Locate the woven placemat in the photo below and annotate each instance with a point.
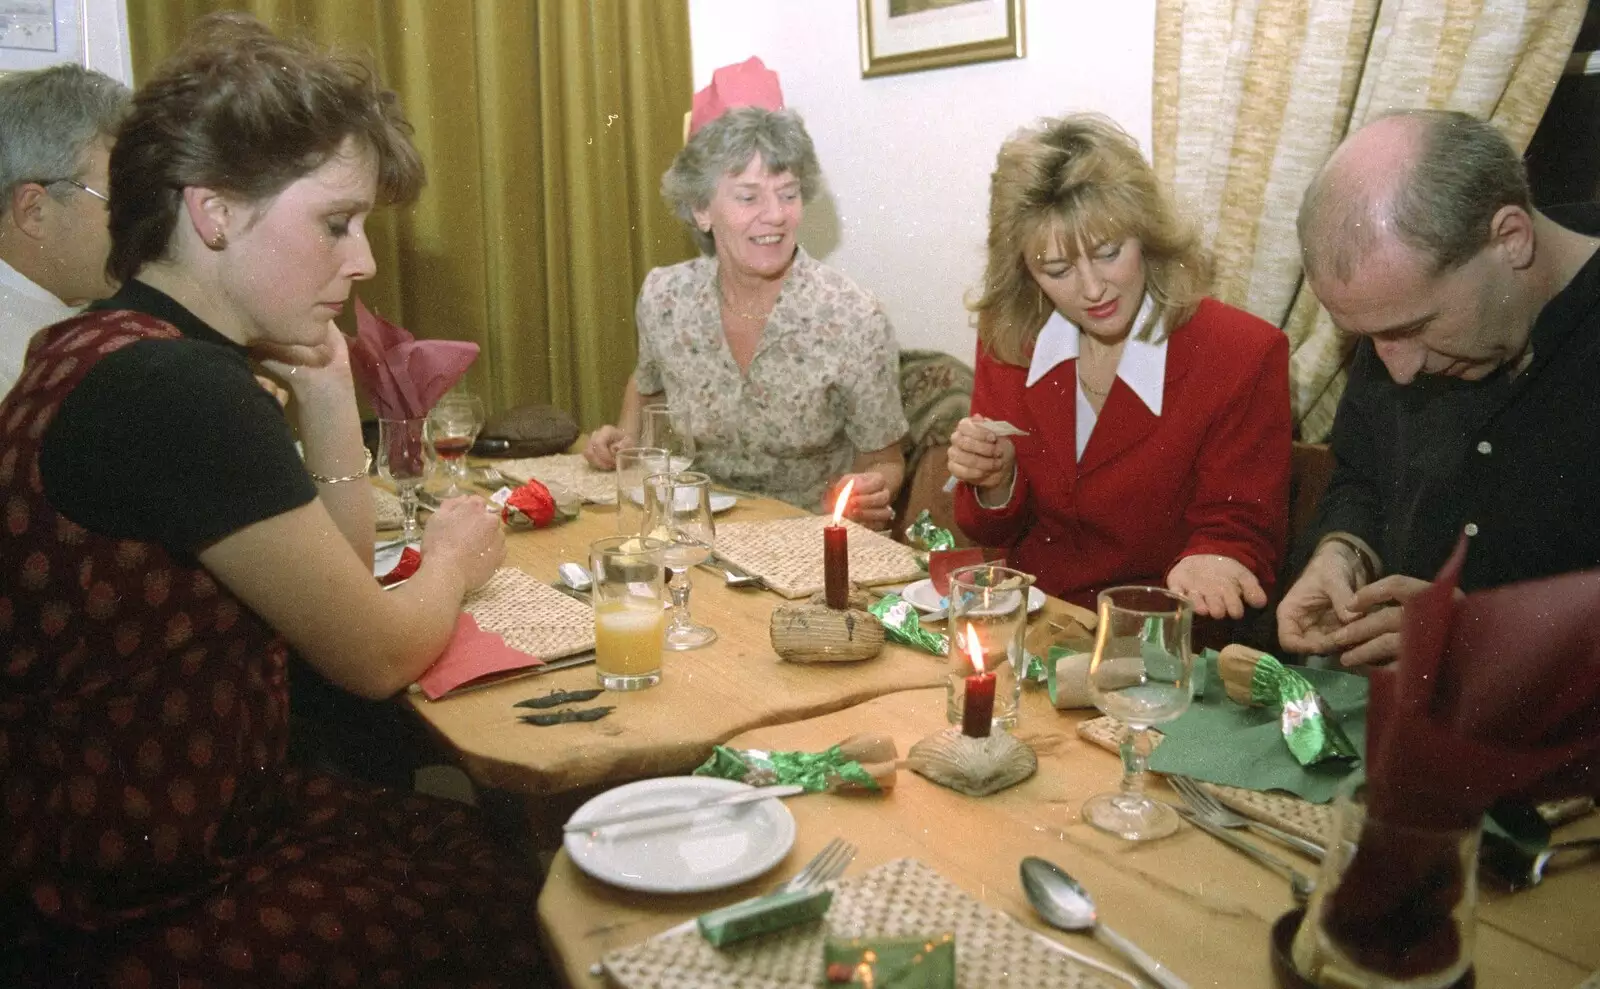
(570, 470)
(904, 898)
(531, 615)
(787, 554)
(1284, 810)
(386, 509)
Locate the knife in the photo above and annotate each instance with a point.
(731, 800)
(1299, 883)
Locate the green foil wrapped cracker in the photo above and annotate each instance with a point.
(903, 624)
(1309, 727)
(925, 537)
(891, 963)
(816, 771)
(1034, 668)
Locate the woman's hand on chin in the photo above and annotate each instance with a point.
(1219, 586)
(300, 364)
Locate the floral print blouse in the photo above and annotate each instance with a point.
(823, 385)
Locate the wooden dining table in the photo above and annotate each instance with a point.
(706, 696)
(1199, 907)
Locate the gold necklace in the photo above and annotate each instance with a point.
(1097, 393)
(728, 303)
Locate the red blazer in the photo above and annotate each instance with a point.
(1209, 475)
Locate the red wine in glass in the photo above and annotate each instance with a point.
(452, 447)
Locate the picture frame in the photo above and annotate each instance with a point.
(912, 35)
(39, 33)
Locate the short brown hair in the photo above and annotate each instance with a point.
(245, 112)
(1079, 181)
(1464, 171)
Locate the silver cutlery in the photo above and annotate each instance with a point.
(734, 575)
(1063, 903)
(1300, 885)
(729, 800)
(1208, 807)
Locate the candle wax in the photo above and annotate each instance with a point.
(977, 705)
(836, 565)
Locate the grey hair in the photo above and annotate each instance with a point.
(1443, 206)
(48, 120)
(726, 146)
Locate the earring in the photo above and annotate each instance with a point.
(218, 241)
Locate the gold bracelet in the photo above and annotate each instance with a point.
(365, 468)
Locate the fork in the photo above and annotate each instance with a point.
(824, 867)
(734, 575)
(1207, 807)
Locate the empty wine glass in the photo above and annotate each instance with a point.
(1140, 674)
(452, 427)
(403, 461)
(677, 511)
(669, 428)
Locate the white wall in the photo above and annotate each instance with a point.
(906, 158)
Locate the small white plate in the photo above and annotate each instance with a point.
(683, 853)
(924, 598)
(720, 501)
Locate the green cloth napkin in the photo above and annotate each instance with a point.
(1220, 741)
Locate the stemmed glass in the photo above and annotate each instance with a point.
(669, 429)
(677, 511)
(1140, 674)
(452, 427)
(403, 461)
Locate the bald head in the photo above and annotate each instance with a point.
(1430, 180)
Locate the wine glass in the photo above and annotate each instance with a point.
(403, 461)
(668, 428)
(677, 511)
(452, 427)
(1140, 674)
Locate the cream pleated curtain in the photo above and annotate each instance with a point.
(1252, 95)
(545, 126)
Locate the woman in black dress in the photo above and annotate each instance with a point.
(166, 548)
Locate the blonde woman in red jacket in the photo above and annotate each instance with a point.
(1158, 420)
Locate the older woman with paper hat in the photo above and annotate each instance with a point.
(166, 549)
(788, 371)
(1155, 420)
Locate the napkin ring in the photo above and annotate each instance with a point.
(366, 466)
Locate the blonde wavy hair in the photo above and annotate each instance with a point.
(1072, 184)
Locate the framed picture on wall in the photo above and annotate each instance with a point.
(911, 35)
(37, 33)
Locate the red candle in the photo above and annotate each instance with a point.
(836, 554)
(977, 705)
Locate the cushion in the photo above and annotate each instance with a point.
(531, 430)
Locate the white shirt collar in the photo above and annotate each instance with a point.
(18, 282)
(1143, 366)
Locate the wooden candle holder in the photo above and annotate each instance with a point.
(974, 766)
(810, 633)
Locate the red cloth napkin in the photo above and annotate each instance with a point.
(473, 656)
(403, 376)
(1494, 695)
(403, 568)
(942, 561)
(748, 83)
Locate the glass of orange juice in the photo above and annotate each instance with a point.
(629, 620)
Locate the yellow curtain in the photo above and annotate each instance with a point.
(545, 125)
(1239, 136)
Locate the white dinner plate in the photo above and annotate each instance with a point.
(924, 598)
(683, 853)
(720, 501)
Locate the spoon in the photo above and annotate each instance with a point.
(1065, 904)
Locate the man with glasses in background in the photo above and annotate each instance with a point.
(57, 126)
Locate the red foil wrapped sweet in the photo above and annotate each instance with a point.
(531, 504)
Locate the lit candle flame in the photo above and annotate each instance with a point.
(974, 648)
(844, 499)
